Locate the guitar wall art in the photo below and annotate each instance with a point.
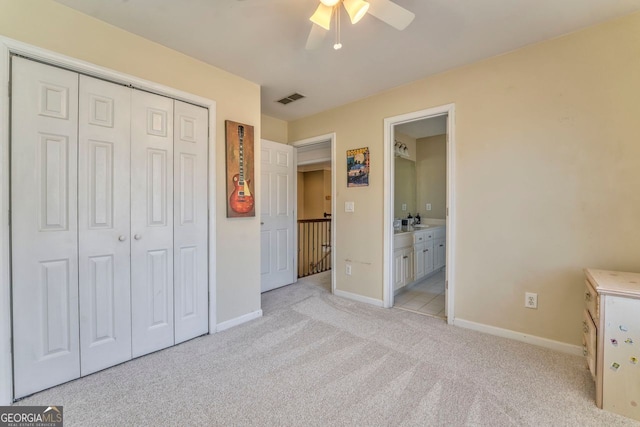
(240, 171)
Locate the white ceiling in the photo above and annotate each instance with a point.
(264, 40)
(424, 128)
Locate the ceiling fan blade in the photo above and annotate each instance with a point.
(389, 12)
(316, 37)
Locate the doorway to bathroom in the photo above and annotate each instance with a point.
(420, 189)
(419, 225)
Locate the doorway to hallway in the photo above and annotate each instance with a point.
(315, 194)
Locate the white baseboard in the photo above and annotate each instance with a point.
(359, 298)
(223, 326)
(519, 336)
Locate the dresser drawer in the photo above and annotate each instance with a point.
(591, 302)
(589, 340)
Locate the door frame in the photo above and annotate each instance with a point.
(331, 137)
(7, 48)
(387, 268)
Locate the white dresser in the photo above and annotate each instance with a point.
(611, 339)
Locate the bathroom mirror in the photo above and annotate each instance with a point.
(405, 187)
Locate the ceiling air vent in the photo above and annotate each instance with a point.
(290, 98)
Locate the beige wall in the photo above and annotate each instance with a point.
(57, 28)
(313, 194)
(327, 190)
(300, 200)
(313, 189)
(547, 176)
(274, 129)
(431, 176)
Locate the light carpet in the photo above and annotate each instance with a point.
(318, 360)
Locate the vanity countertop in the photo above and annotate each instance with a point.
(422, 227)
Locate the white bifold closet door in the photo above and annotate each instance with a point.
(168, 222)
(191, 290)
(44, 229)
(109, 224)
(151, 222)
(104, 224)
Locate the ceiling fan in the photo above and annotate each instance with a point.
(385, 10)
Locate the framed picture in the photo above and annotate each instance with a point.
(240, 170)
(358, 167)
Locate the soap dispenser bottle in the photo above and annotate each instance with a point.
(410, 219)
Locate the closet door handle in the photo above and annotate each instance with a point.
(137, 236)
(122, 238)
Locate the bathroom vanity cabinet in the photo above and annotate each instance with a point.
(439, 252)
(423, 252)
(403, 256)
(416, 254)
(611, 339)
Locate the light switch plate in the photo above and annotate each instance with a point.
(349, 207)
(404, 206)
(428, 206)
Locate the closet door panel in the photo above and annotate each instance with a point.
(191, 292)
(44, 226)
(151, 223)
(104, 224)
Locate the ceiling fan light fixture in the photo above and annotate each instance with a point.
(356, 9)
(322, 16)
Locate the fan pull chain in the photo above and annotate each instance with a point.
(336, 10)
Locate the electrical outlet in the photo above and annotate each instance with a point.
(347, 270)
(428, 206)
(404, 206)
(530, 300)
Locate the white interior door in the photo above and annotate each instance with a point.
(190, 221)
(151, 222)
(277, 216)
(104, 224)
(44, 228)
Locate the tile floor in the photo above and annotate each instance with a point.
(426, 297)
